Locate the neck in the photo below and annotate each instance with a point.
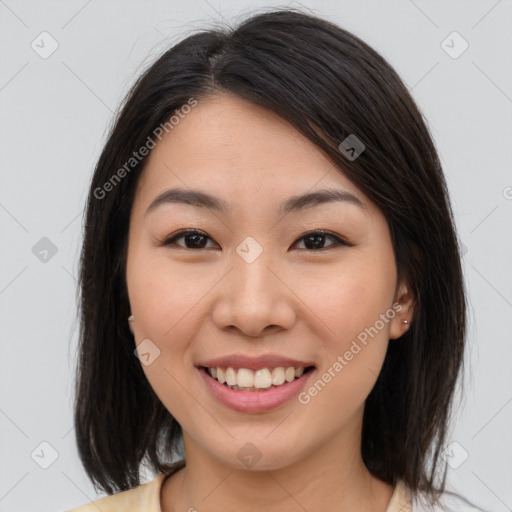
(332, 476)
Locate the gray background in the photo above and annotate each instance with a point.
(54, 115)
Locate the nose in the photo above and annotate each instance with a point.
(254, 298)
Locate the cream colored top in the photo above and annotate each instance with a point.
(146, 498)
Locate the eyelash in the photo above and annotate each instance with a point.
(181, 234)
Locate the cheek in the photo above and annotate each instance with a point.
(162, 293)
(351, 298)
(162, 299)
(356, 345)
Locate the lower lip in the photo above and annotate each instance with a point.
(254, 401)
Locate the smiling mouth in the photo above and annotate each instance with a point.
(264, 379)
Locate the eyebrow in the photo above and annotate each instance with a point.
(293, 204)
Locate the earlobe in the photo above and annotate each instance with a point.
(401, 322)
(130, 323)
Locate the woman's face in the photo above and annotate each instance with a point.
(251, 285)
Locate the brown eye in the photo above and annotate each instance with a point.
(314, 240)
(194, 239)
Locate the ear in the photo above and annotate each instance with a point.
(130, 323)
(404, 308)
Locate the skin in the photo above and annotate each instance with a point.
(294, 299)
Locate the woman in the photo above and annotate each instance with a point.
(273, 312)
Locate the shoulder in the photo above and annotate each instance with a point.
(448, 502)
(144, 498)
(405, 500)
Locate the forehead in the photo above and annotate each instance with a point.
(238, 150)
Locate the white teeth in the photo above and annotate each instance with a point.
(278, 376)
(289, 374)
(230, 377)
(247, 379)
(262, 378)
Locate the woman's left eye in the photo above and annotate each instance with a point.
(313, 239)
(316, 238)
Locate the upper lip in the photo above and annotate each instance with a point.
(254, 363)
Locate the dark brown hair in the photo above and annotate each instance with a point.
(328, 84)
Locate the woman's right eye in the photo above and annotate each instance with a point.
(196, 239)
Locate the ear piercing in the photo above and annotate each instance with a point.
(405, 322)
